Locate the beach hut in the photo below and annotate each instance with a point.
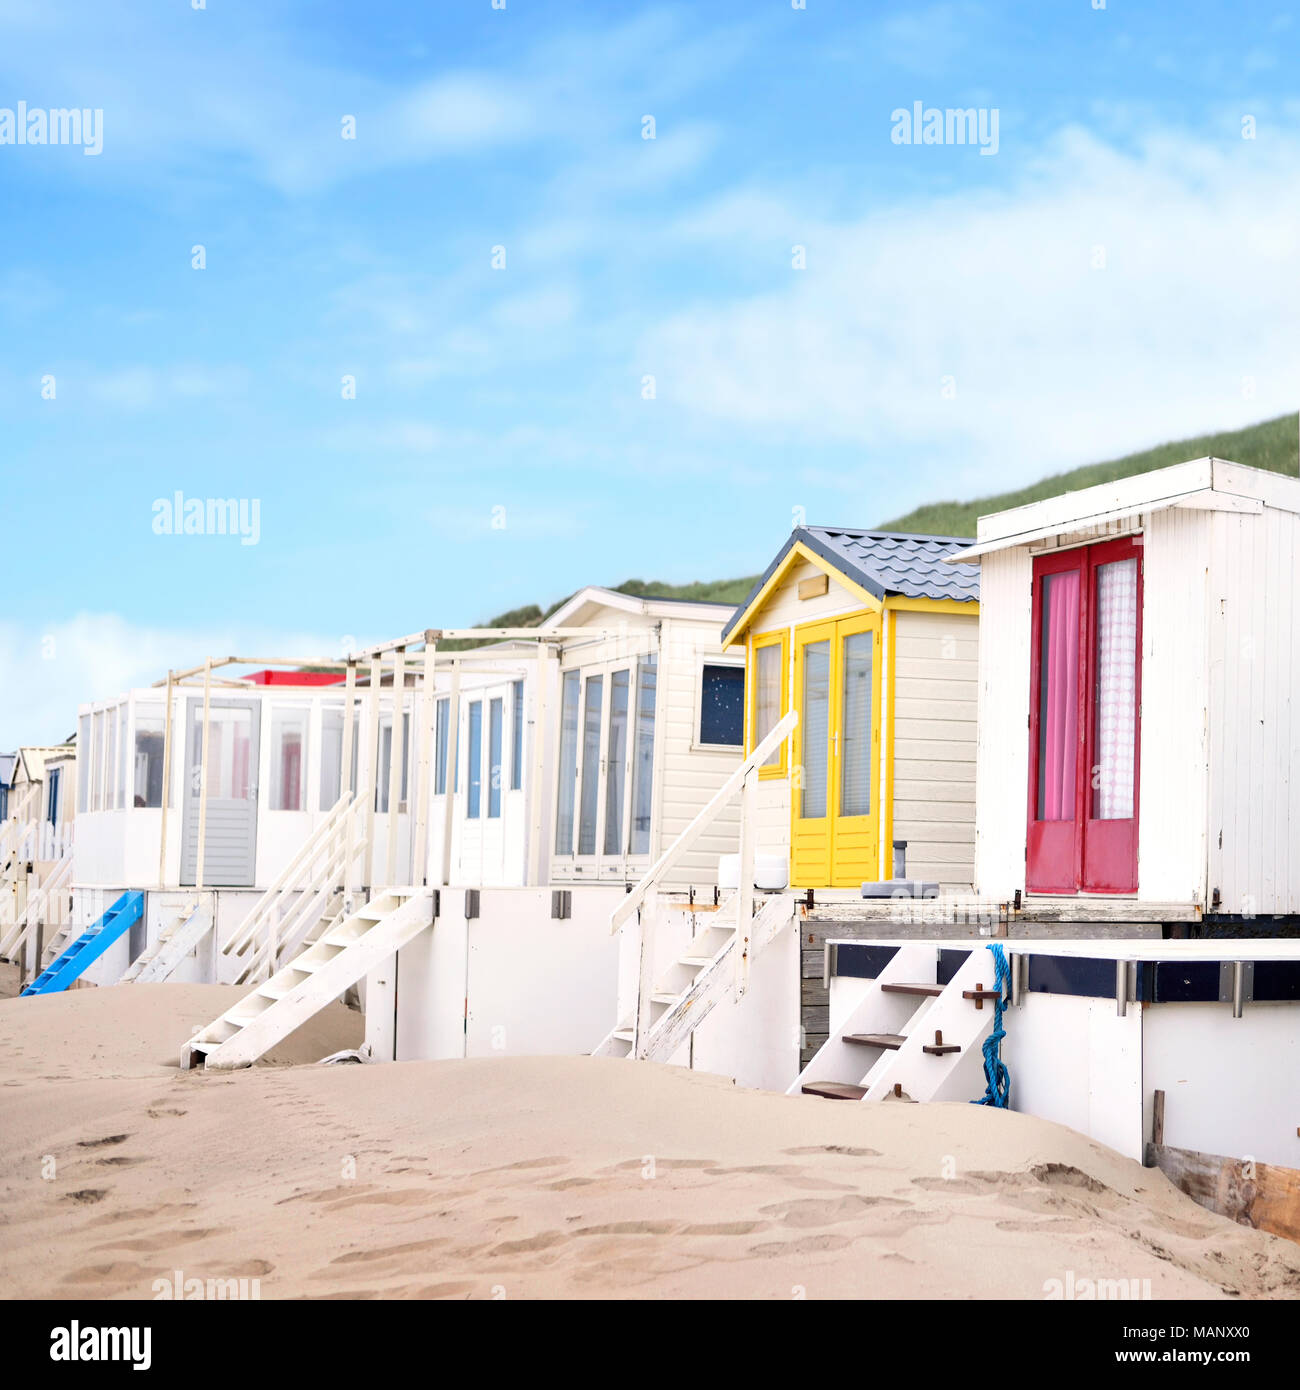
(1151, 1047)
(1139, 729)
(873, 641)
(36, 840)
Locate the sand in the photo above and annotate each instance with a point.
(544, 1177)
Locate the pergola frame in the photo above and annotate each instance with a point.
(387, 659)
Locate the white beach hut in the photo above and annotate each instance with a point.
(1139, 727)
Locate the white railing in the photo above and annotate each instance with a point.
(18, 830)
(644, 896)
(16, 938)
(293, 904)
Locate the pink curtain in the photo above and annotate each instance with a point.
(1059, 698)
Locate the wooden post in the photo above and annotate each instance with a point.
(345, 771)
(370, 782)
(745, 887)
(396, 762)
(424, 782)
(645, 972)
(537, 776)
(166, 783)
(203, 773)
(453, 759)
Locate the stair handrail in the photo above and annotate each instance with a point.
(286, 880)
(16, 937)
(731, 788)
(17, 824)
(288, 931)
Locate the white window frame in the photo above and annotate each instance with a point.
(697, 714)
(603, 865)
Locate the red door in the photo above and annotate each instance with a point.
(1084, 720)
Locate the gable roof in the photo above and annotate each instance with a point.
(884, 563)
(586, 604)
(1207, 484)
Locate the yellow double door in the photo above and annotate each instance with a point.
(835, 820)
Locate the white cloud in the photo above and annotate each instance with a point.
(1191, 324)
(92, 656)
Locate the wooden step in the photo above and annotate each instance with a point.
(928, 991)
(891, 1041)
(833, 1090)
(939, 1048)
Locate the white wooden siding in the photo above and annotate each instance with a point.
(1172, 776)
(1002, 756)
(936, 671)
(1254, 793)
(688, 776)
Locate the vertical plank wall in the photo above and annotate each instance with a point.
(1255, 727)
(936, 678)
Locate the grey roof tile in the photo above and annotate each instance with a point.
(884, 563)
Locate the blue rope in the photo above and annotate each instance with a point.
(998, 1092)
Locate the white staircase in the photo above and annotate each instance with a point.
(700, 978)
(672, 1003)
(37, 910)
(306, 898)
(190, 924)
(909, 1037)
(340, 957)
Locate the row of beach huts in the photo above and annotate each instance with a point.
(722, 836)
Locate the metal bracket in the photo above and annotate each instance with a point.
(561, 904)
(471, 904)
(1237, 984)
(830, 962)
(1125, 985)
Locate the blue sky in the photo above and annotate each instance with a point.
(516, 393)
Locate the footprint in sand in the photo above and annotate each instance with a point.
(102, 1143)
(816, 1211)
(86, 1196)
(385, 1252)
(805, 1245)
(157, 1112)
(164, 1240)
(832, 1149)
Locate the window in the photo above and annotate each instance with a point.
(54, 780)
(616, 761)
(110, 758)
(568, 763)
(475, 770)
(722, 705)
(594, 699)
(97, 763)
(147, 775)
(768, 702)
(496, 716)
(816, 716)
(83, 763)
(643, 757)
(231, 739)
(331, 756)
(122, 778)
(386, 761)
(517, 736)
(1084, 735)
(442, 718)
(288, 759)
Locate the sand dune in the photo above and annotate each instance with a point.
(537, 1177)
